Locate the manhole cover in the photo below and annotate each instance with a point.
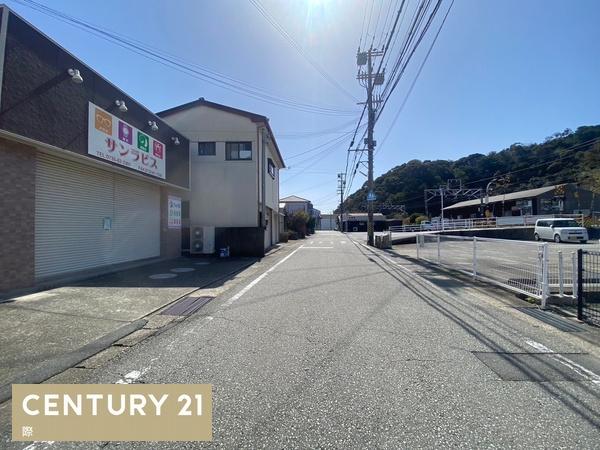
(535, 366)
(162, 276)
(186, 306)
(182, 269)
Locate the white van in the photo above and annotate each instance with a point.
(560, 230)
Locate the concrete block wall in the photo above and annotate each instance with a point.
(17, 223)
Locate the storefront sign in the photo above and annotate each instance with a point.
(174, 215)
(112, 139)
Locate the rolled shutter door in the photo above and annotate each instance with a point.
(72, 201)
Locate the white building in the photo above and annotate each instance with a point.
(234, 180)
(328, 222)
(293, 203)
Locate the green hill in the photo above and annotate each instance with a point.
(569, 156)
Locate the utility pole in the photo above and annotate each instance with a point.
(370, 80)
(341, 189)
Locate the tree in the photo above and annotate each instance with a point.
(298, 222)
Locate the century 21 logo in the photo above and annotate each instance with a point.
(103, 122)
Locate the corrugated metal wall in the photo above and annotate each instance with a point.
(72, 201)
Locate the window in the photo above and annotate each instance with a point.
(238, 150)
(207, 149)
(271, 167)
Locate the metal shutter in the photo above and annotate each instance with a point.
(137, 220)
(72, 200)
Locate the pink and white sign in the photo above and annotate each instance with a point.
(114, 140)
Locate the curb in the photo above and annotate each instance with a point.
(57, 365)
(63, 362)
(202, 286)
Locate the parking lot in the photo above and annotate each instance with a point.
(513, 263)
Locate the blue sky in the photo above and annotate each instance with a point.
(501, 72)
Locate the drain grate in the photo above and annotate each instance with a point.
(186, 306)
(534, 366)
(552, 319)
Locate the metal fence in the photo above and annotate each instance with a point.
(588, 286)
(480, 223)
(529, 268)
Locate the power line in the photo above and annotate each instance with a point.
(347, 133)
(416, 78)
(179, 64)
(282, 31)
(313, 133)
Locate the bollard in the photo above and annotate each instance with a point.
(418, 244)
(439, 259)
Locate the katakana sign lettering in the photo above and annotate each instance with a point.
(114, 140)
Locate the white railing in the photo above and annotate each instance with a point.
(530, 268)
(481, 223)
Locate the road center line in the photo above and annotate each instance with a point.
(254, 282)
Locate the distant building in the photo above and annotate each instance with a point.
(558, 199)
(328, 222)
(293, 203)
(358, 222)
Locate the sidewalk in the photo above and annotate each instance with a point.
(463, 285)
(46, 332)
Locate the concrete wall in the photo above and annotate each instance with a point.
(244, 241)
(17, 212)
(520, 234)
(272, 184)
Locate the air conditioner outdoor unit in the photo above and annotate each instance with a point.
(202, 240)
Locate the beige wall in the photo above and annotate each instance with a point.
(228, 193)
(170, 238)
(223, 193)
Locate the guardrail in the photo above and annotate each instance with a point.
(529, 268)
(481, 223)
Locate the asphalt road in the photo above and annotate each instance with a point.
(340, 347)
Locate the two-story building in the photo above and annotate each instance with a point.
(234, 195)
(293, 203)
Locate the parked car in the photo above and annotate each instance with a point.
(560, 230)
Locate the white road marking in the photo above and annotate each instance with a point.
(342, 242)
(310, 248)
(34, 445)
(130, 377)
(253, 283)
(577, 368)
